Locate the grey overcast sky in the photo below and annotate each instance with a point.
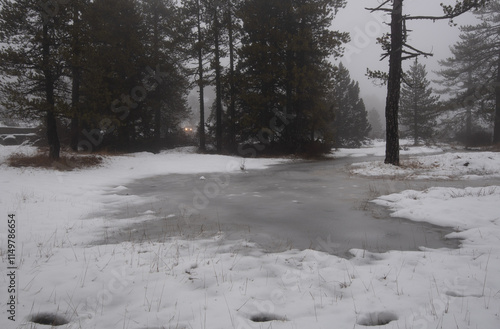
(364, 27)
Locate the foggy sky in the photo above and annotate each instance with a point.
(363, 51)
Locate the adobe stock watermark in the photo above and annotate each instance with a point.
(267, 309)
(217, 183)
(424, 317)
(476, 93)
(277, 125)
(213, 187)
(362, 38)
(116, 285)
(122, 107)
(50, 8)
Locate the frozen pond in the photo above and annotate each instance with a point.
(306, 204)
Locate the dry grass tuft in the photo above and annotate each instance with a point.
(416, 165)
(496, 148)
(67, 162)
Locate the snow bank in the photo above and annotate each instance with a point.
(211, 282)
(470, 165)
(377, 148)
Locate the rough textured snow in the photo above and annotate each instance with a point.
(211, 282)
(469, 165)
(377, 148)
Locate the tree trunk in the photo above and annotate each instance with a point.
(156, 102)
(156, 60)
(201, 84)
(468, 126)
(218, 85)
(496, 129)
(157, 133)
(75, 133)
(232, 91)
(75, 104)
(52, 136)
(469, 105)
(394, 85)
(415, 121)
(76, 75)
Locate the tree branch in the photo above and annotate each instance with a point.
(379, 8)
(452, 11)
(420, 52)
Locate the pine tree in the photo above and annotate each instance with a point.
(195, 17)
(472, 97)
(396, 48)
(284, 69)
(418, 104)
(165, 105)
(472, 74)
(351, 122)
(31, 64)
(374, 119)
(113, 85)
(73, 50)
(232, 32)
(215, 18)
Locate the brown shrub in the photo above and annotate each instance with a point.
(66, 162)
(496, 147)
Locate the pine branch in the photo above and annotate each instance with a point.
(452, 11)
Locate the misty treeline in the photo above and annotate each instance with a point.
(471, 76)
(115, 74)
(396, 47)
(470, 81)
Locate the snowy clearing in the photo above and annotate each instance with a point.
(470, 165)
(212, 282)
(377, 148)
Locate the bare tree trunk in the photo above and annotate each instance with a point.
(75, 87)
(75, 119)
(218, 85)
(394, 85)
(52, 136)
(232, 102)
(468, 126)
(468, 112)
(156, 103)
(415, 121)
(496, 130)
(201, 83)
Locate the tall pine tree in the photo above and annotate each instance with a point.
(418, 105)
(472, 75)
(165, 105)
(395, 47)
(113, 77)
(351, 119)
(32, 65)
(284, 68)
(377, 130)
(194, 16)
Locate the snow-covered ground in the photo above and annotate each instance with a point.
(414, 165)
(377, 148)
(212, 282)
(471, 165)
